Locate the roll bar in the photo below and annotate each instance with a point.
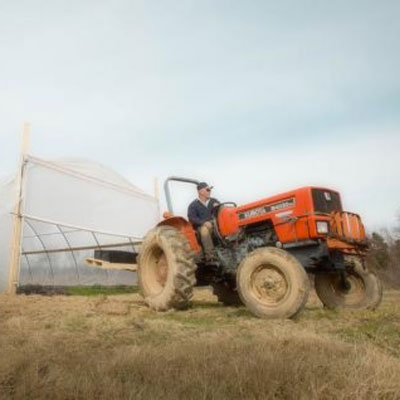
(167, 189)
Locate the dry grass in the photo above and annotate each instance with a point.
(113, 347)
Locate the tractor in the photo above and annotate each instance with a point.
(264, 253)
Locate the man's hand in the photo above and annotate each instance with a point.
(208, 224)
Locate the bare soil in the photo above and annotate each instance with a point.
(114, 347)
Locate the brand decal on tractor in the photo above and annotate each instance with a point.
(284, 214)
(255, 212)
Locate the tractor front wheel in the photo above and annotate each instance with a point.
(361, 290)
(272, 283)
(166, 269)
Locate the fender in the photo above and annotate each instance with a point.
(186, 228)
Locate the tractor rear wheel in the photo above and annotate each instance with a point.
(272, 283)
(364, 289)
(166, 269)
(226, 294)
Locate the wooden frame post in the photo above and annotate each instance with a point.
(15, 252)
(157, 194)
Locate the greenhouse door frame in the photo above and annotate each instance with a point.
(15, 251)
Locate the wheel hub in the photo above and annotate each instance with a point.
(346, 283)
(352, 288)
(268, 284)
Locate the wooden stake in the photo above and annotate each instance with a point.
(157, 194)
(15, 253)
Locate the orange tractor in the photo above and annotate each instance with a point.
(264, 251)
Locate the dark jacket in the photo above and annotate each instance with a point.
(198, 213)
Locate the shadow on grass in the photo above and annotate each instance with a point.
(94, 290)
(206, 305)
(229, 311)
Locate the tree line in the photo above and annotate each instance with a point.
(384, 255)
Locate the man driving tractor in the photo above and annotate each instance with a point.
(200, 215)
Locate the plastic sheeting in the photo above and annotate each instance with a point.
(7, 198)
(72, 203)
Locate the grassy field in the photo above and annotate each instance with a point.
(92, 345)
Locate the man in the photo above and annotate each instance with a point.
(200, 215)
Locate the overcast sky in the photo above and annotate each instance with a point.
(254, 96)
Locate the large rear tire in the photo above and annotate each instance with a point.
(226, 294)
(365, 291)
(166, 269)
(272, 283)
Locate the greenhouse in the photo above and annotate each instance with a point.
(67, 209)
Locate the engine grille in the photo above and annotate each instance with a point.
(347, 226)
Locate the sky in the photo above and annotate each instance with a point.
(255, 97)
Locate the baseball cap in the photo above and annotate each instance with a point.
(202, 185)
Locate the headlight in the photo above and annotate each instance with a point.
(322, 227)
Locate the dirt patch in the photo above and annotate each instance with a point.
(42, 290)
